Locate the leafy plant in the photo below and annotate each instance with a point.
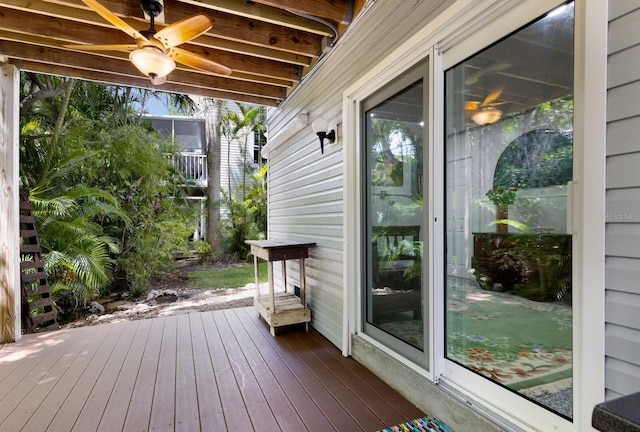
(502, 196)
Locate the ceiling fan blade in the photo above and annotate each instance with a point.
(184, 30)
(108, 47)
(494, 95)
(113, 19)
(471, 105)
(197, 61)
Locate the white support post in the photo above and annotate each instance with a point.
(9, 202)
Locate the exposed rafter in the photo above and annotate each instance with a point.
(269, 45)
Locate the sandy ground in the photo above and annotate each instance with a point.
(169, 296)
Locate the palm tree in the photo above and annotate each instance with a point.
(76, 252)
(240, 126)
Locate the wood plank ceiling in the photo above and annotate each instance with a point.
(269, 44)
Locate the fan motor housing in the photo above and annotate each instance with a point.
(152, 8)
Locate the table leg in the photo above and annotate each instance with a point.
(272, 300)
(303, 283)
(284, 274)
(255, 274)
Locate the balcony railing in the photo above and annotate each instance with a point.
(193, 166)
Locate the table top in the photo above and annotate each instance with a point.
(276, 244)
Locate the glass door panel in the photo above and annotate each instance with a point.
(509, 165)
(394, 310)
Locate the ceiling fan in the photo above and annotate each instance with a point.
(485, 112)
(155, 53)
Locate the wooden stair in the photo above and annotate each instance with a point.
(38, 311)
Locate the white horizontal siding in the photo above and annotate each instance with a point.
(624, 67)
(622, 295)
(623, 30)
(623, 343)
(622, 101)
(305, 203)
(622, 170)
(623, 274)
(618, 8)
(623, 205)
(623, 378)
(623, 240)
(622, 136)
(305, 186)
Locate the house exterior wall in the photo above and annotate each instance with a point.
(622, 347)
(305, 186)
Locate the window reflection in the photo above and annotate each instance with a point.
(509, 158)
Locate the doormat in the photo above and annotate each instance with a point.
(427, 424)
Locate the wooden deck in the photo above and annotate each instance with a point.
(209, 371)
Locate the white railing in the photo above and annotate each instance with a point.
(192, 165)
(201, 218)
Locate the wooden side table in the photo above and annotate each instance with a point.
(284, 308)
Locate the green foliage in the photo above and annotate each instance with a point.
(247, 205)
(202, 248)
(148, 188)
(502, 196)
(108, 202)
(538, 158)
(76, 252)
(247, 218)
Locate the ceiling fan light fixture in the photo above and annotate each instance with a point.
(152, 62)
(486, 115)
(158, 80)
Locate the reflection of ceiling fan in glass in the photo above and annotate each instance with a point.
(485, 112)
(155, 53)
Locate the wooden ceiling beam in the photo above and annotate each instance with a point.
(243, 66)
(264, 13)
(78, 17)
(225, 26)
(77, 60)
(334, 10)
(58, 32)
(269, 44)
(138, 82)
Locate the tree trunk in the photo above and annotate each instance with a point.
(214, 237)
(502, 214)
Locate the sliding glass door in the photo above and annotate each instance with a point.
(393, 208)
(509, 172)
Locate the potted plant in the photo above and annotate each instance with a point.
(502, 198)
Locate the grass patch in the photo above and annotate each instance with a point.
(230, 277)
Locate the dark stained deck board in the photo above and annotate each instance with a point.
(32, 390)
(390, 395)
(313, 350)
(234, 410)
(98, 376)
(27, 365)
(187, 416)
(334, 409)
(209, 402)
(54, 388)
(279, 403)
(114, 409)
(260, 414)
(139, 412)
(209, 371)
(164, 393)
(309, 412)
